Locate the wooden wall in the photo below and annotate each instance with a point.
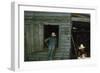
(33, 28)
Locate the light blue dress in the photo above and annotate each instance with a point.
(52, 41)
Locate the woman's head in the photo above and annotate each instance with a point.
(53, 34)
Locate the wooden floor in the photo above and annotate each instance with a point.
(43, 56)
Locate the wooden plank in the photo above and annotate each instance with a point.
(80, 19)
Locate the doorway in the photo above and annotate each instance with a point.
(48, 29)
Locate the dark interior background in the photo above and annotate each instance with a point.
(80, 34)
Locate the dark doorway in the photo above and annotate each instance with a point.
(48, 29)
(80, 34)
